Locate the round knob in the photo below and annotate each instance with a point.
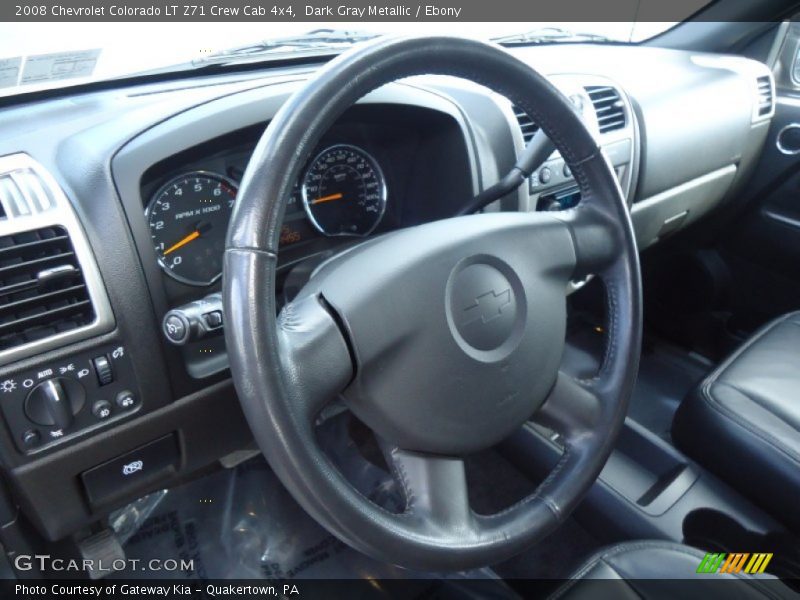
(176, 328)
(55, 402)
(552, 205)
(194, 321)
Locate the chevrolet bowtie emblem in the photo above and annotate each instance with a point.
(487, 307)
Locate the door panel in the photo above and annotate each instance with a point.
(762, 244)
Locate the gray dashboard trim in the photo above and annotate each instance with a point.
(695, 198)
(621, 146)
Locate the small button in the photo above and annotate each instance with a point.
(544, 175)
(126, 399)
(31, 438)
(102, 367)
(175, 329)
(101, 409)
(567, 171)
(119, 477)
(213, 319)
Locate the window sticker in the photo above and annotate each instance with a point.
(59, 65)
(9, 71)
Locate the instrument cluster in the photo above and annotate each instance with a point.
(341, 193)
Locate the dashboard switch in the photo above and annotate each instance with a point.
(101, 409)
(175, 329)
(544, 175)
(102, 367)
(126, 399)
(194, 321)
(213, 319)
(55, 402)
(31, 438)
(123, 476)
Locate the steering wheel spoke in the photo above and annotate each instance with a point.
(435, 488)
(314, 354)
(596, 240)
(571, 408)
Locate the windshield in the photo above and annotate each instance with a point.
(37, 56)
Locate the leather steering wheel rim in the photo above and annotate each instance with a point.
(285, 369)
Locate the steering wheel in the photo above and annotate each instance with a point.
(443, 338)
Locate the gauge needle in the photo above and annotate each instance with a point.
(327, 198)
(192, 236)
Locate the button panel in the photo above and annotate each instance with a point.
(51, 404)
(121, 476)
(556, 172)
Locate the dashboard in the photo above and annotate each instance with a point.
(116, 203)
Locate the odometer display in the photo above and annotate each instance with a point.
(188, 219)
(344, 192)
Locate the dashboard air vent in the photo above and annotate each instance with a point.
(42, 288)
(608, 106)
(765, 97)
(526, 124)
(22, 193)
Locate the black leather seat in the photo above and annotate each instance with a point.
(743, 421)
(654, 570)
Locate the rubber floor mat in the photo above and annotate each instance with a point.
(241, 523)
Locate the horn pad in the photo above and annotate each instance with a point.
(486, 307)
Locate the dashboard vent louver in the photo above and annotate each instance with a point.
(526, 124)
(42, 288)
(22, 193)
(765, 97)
(608, 106)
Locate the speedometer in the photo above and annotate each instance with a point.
(188, 219)
(344, 192)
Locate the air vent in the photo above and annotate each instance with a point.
(608, 106)
(42, 288)
(526, 124)
(22, 193)
(765, 97)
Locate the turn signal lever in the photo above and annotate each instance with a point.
(194, 321)
(536, 152)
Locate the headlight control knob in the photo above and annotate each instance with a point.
(55, 402)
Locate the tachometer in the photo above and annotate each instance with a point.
(188, 219)
(344, 192)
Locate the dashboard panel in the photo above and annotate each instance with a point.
(374, 171)
(117, 155)
(414, 167)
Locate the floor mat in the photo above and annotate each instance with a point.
(241, 523)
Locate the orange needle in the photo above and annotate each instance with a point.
(192, 236)
(327, 198)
